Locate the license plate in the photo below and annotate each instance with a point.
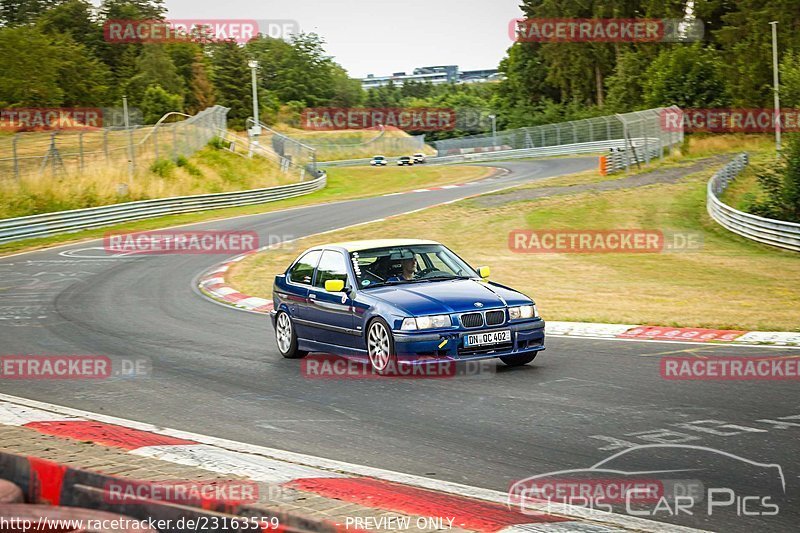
(488, 338)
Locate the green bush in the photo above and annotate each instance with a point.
(162, 168)
(187, 165)
(779, 184)
(217, 143)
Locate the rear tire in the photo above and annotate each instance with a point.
(286, 337)
(519, 360)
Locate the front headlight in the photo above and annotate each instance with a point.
(522, 311)
(426, 322)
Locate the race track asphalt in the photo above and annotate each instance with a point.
(216, 371)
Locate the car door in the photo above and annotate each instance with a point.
(331, 314)
(299, 279)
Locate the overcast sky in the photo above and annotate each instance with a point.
(383, 36)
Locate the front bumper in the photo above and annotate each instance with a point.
(434, 347)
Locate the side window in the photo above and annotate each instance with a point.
(303, 271)
(331, 266)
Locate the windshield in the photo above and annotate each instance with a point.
(408, 264)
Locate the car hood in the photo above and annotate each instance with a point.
(455, 296)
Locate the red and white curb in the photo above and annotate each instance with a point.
(472, 508)
(214, 284)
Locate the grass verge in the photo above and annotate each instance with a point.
(210, 170)
(730, 283)
(343, 184)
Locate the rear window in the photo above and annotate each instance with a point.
(303, 271)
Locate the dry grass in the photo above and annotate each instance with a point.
(730, 283)
(208, 171)
(355, 144)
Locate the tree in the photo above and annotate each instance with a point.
(157, 102)
(686, 76)
(780, 186)
(121, 57)
(74, 18)
(201, 91)
(295, 70)
(154, 67)
(231, 78)
(625, 86)
(18, 12)
(745, 42)
(83, 78)
(347, 92)
(790, 79)
(193, 67)
(30, 66)
(133, 9)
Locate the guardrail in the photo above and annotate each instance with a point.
(545, 151)
(71, 221)
(15, 229)
(765, 230)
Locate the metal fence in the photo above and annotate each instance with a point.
(646, 125)
(765, 230)
(291, 151)
(243, 146)
(349, 144)
(629, 154)
(69, 152)
(615, 146)
(15, 229)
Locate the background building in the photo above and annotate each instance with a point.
(435, 75)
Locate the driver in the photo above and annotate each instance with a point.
(409, 269)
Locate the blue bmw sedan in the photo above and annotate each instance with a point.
(400, 301)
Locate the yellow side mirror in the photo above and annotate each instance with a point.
(485, 272)
(334, 285)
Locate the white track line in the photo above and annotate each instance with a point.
(338, 467)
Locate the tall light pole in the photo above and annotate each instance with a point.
(494, 130)
(131, 155)
(776, 83)
(256, 131)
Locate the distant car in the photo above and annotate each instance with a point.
(379, 161)
(400, 300)
(419, 158)
(405, 160)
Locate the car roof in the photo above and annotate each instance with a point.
(356, 246)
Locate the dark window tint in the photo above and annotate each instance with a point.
(303, 270)
(331, 266)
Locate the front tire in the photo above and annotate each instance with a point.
(380, 347)
(519, 360)
(286, 337)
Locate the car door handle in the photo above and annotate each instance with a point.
(312, 296)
